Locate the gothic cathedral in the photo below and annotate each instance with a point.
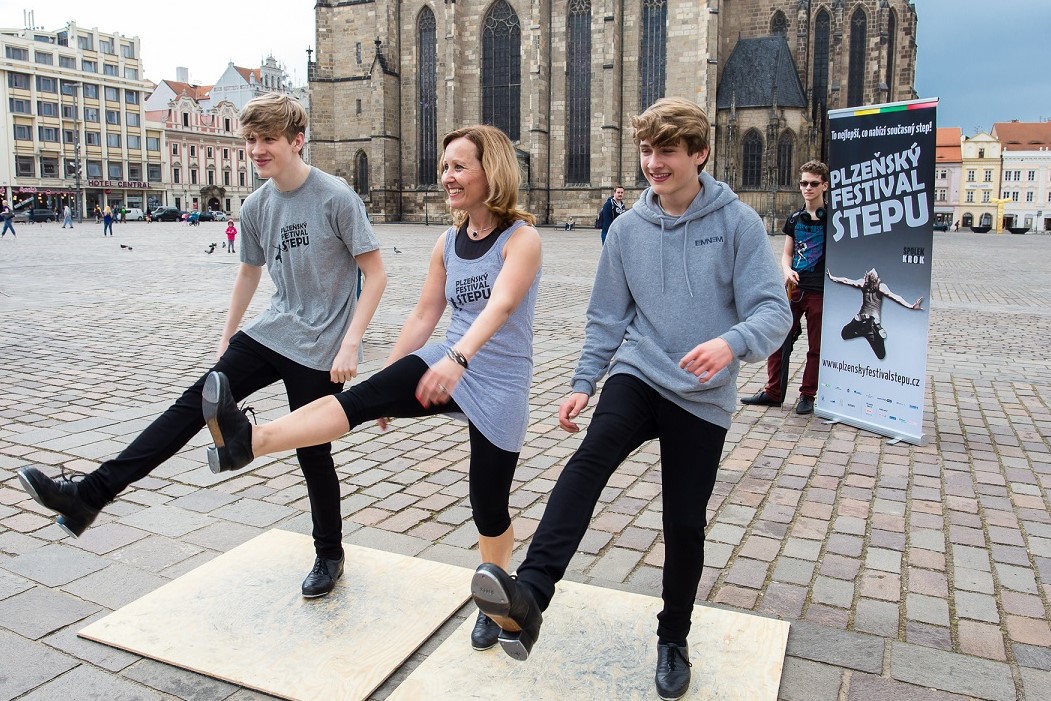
(563, 80)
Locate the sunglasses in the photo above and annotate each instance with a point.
(809, 183)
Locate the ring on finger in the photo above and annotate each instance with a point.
(442, 389)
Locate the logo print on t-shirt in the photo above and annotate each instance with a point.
(470, 289)
(293, 236)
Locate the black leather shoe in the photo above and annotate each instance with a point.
(673, 670)
(760, 398)
(60, 496)
(485, 633)
(322, 579)
(510, 605)
(805, 405)
(230, 428)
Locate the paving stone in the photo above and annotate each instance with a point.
(981, 639)
(182, 683)
(1032, 656)
(927, 609)
(877, 617)
(835, 647)
(203, 500)
(115, 586)
(960, 674)
(866, 687)
(104, 656)
(55, 565)
(167, 521)
(27, 665)
(1036, 684)
(833, 592)
(804, 680)
(102, 686)
(11, 584)
(976, 606)
(39, 611)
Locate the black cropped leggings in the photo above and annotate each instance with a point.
(392, 392)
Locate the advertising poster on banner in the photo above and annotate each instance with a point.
(878, 267)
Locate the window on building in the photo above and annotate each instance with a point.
(69, 112)
(23, 132)
(112, 116)
(18, 80)
(175, 149)
(153, 143)
(186, 119)
(52, 134)
(357, 52)
(193, 151)
(241, 179)
(1014, 197)
(153, 172)
(19, 106)
(44, 58)
(210, 153)
(91, 114)
(106, 46)
(48, 167)
(858, 55)
(91, 91)
(133, 119)
(578, 91)
(67, 136)
(134, 141)
(985, 196)
(1007, 176)
(127, 50)
(943, 174)
(16, 53)
(970, 196)
(70, 166)
(981, 153)
(115, 170)
(67, 62)
(653, 47)
(939, 194)
(226, 178)
(135, 171)
(821, 43)
(357, 106)
(109, 69)
(177, 176)
(226, 154)
(112, 94)
(94, 169)
(752, 161)
(85, 43)
(779, 23)
(1029, 197)
(131, 97)
(89, 66)
(1032, 175)
(25, 167)
(501, 69)
(68, 88)
(46, 84)
(785, 172)
(211, 176)
(193, 176)
(227, 124)
(987, 176)
(361, 175)
(426, 99)
(112, 140)
(970, 176)
(240, 154)
(892, 36)
(93, 138)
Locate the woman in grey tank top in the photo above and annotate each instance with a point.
(487, 268)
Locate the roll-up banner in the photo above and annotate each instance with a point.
(878, 267)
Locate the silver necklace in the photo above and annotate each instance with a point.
(477, 234)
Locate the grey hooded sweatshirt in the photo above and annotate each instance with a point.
(666, 284)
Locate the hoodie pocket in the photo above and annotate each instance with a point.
(662, 368)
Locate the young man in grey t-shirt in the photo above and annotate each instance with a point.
(312, 233)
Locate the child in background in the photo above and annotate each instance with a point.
(231, 234)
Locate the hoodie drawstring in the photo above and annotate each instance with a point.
(661, 250)
(686, 268)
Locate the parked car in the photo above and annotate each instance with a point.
(205, 215)
(135, 214)
(941, 227)
(38, 215)
(168, 214)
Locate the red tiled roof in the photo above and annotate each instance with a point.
(197, 92)
(1023, 136)
(247, 73)
(947, 147)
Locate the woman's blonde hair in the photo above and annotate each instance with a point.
(497, 155)
(273, 114)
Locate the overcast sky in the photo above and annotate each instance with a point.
(982, 58)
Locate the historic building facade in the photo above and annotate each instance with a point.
(563, 80)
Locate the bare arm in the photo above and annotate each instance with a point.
(786, 261)
(244, 289)
(844, 280)
(899, 299)
(345, 365)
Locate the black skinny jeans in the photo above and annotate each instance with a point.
(250, 367)
(392, 392)
(628, 414)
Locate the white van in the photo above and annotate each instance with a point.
(135, 214)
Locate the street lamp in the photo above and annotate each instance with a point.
(76, 150)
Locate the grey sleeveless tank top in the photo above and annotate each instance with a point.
(494, 392)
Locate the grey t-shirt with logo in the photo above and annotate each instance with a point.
(307, 238)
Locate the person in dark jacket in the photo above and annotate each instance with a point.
(612, 209)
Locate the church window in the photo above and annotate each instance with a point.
(653, 52)
(752, 161)
(779, 24)
(785, 171)
(892, 29)
(578, 88)
(361, 174)
(502, 69)
(427, 99)
(856, 75)
(821, 43)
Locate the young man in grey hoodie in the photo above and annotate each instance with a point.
(687, 288)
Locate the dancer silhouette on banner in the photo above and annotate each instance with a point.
(867, 321)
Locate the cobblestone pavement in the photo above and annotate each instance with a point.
(907, 572)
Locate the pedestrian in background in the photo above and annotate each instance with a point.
(67, 217)
(612, 209)
(231, 234)
(107, 221)
(9, 222)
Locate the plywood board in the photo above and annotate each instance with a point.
(241, 618)
(601, 644)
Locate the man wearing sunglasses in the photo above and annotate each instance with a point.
(803, 264)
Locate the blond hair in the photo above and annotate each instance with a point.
(497, 156)
(671, 120)
(273, 114)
